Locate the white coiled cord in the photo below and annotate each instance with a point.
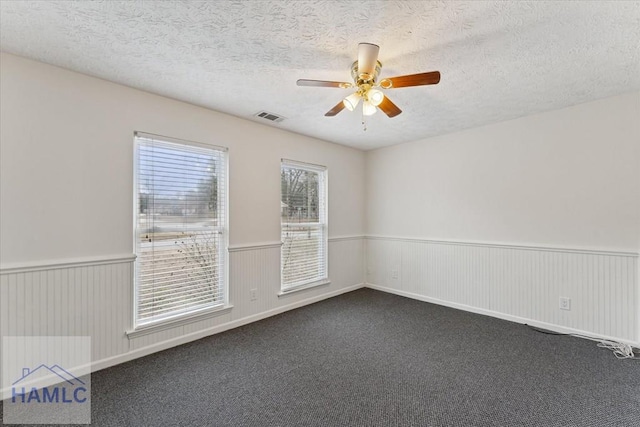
(620, 350)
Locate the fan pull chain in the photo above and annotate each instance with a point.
(364, 123)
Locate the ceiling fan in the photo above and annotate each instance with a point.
(365, 73)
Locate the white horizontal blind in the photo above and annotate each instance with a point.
(180, 228)
(304, 224)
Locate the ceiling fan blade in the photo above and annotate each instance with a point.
(430, 78)
(389, 108)
(323, 83)
(367, 58)
(335, 110)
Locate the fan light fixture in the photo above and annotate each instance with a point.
(351, 101)
(365, 72)
(375, 96)
(368, 109)
(371, 99)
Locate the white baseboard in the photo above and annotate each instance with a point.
(174, 342)
(499, 315)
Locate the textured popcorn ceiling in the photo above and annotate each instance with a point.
(499, 60)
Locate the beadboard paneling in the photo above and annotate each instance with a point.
(95, 298)
(517, 283)
(77, 300)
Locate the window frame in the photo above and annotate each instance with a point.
(174, 319)
(323, 225)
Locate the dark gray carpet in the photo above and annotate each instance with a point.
(368, 358)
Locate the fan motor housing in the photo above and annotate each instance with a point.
(363, 79)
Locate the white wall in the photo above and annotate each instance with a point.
(566, 178)
(474, 219)
(508, 194)
(66, 194)
(66, 171)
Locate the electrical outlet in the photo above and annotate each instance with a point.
(394, 274)
(253, 294)
(565, 303)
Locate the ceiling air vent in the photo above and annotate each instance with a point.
(269, 116)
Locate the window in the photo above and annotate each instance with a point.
(304, 225)
(180, 228)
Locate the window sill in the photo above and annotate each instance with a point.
(304, 287)
(179, 321)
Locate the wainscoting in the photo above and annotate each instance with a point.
(90, 297)
(93, 297)
(522, 284)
